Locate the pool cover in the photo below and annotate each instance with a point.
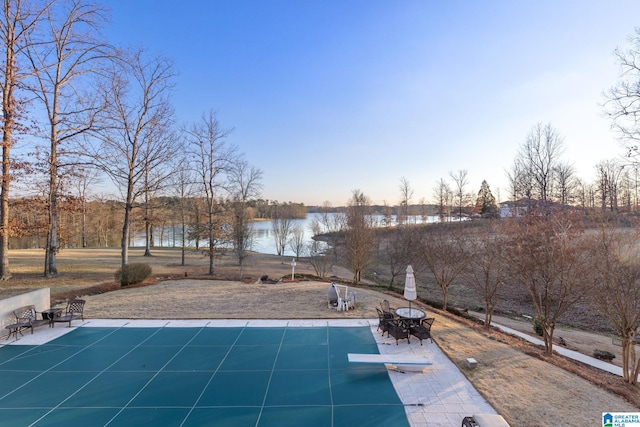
(200, 376)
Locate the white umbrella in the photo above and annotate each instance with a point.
(410, 292)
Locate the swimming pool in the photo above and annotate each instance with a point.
(198, 376)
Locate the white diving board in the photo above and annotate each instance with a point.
(395, 359)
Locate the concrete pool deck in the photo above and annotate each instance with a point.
(437, 396)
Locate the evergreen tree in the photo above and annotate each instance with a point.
(485, 203)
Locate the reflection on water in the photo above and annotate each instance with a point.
(262, 233)
(264, 239)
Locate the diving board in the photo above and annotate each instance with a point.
(395, 359)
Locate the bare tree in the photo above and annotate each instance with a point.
(399, 250)
(158, 161)
(139, 111)
(64, 61)
(581, 194)
(281, 224)
(321, 263)
(487, 268)
(212, 159)
(608, 175)
(616, 294)
(360, 239)
(424, 210)
(444, 254)
(197, 229)
(387, 215)
(585, 195)
(546, 254)
(623, 99)
(520, 186)
(513, 178)
(406, 193)
(565, 183)
(19, 18)
(182, 183)
(442, 194)
(147, 194)
(244, 184)
(84, 179)
(625, 191)
(103, 218)
(296, 241)
(539, 156)
(460, 194)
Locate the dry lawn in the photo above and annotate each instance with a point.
(79, 269)
(512, 375)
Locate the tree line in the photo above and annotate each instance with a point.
(97, 222)
(77, 108)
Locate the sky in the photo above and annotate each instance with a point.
(327, 97)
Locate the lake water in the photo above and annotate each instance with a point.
(263, 237)
(264, 241)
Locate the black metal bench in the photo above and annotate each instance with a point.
(26, 318)
(422, 331)
(74, 310)
(399, 330)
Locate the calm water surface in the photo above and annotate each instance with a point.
(263, 237)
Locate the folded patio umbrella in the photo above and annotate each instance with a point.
(410, 291)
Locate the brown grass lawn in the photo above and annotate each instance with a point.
(526, 387)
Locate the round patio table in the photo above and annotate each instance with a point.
(50, 314)
(410, 316)
(410, 313)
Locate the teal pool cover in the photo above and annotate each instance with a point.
(208, 376)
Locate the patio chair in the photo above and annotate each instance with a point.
(352, 300)
(398, 330)
(422, 331)
(340, 298)
(384, 304)
(75, 310)
(383, 321)
(332, 297)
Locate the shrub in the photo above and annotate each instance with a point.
(603, 355)
(133, 273)
(537, 326)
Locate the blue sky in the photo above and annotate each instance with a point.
(331, 96)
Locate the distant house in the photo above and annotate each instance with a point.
(519, 207)
(505, 210)
(514, 208)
